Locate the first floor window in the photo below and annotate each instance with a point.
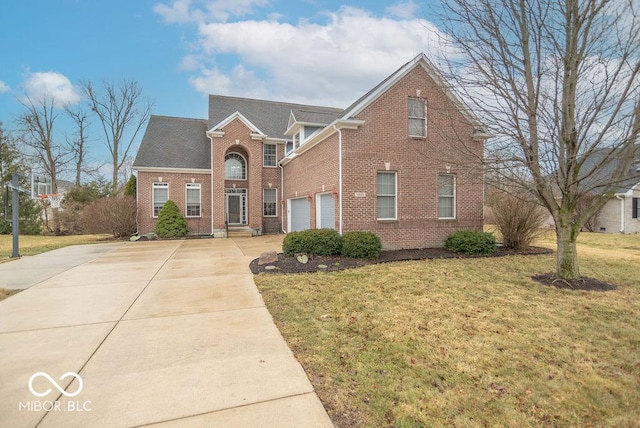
(386, 195)
(270, 199)
(269, 154)
(160, 196)
(635, 208)
(446, 196)
(193, 199)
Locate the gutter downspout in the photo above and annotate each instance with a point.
(211, 188)
(621, 212)
(282, 197)
(339, 131)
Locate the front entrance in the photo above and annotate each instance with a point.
(236, 206)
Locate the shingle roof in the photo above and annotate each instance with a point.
(270, 117)
(597, 169)
(174, 142)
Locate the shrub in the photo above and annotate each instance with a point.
(318, 242)
(170, 222)
(115, 215)
(518, 220)
(361, 245)
(471, 242)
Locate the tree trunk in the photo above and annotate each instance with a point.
(567, 257)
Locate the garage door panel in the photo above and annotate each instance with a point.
(300, 214)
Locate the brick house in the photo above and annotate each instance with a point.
(403, 161)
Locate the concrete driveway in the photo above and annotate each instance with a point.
(172, 333)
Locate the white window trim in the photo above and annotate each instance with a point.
(186, 203)
(395, 214)
(246, 167)
(276, 202)
(275, 165)
(454, 197)
(159, 185)
(424, 128)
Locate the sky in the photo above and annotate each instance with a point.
(179, 51)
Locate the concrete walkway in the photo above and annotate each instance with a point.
(172, 333)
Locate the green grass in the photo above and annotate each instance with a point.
(469, 342)
(30, 245)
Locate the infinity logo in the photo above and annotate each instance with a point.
(55, 384)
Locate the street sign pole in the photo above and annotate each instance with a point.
(15, 215)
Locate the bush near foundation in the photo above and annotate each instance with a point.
(471, 242)
(171, 223)
(317, 242)
(361, 245)
(115, 215)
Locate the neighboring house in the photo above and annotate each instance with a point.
(403, 161)
(621, 214)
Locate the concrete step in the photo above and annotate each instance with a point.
(240, 232)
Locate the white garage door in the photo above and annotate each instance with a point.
(326, 212)
(299, 214)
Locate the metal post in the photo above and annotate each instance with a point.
(15, 211)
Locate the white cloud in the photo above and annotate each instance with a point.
(331, 61)
(4, 87)
(181, 11)
(51, 86)
(405, 10)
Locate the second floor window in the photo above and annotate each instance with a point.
(235, 167)
(269, 154)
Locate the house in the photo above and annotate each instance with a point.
(403, 161)
(621, 214)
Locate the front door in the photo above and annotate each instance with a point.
(236, 206)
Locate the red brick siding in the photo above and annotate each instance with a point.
(418, 162)
(306, 175)
(258, 176)
(177, 193)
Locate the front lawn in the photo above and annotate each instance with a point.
(30, 245)
(469, 342)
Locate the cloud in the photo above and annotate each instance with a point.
(4, 87)
(406, 10)
(181, 11)
(50, 85)
(331, 59)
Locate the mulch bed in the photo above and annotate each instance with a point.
(583, 283)
(289, 264)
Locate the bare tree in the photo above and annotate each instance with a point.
(122, 112)
(558, 83)
(36, 132)
(78, 145)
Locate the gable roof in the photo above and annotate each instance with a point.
(420, 60)
(269, 117)
(598, 168)
(174, 142)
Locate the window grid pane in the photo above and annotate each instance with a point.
(160, 197)
(269, 202)
(269, 151)
(446, 196)
(386, 195)
(193, 200)
(417, 117)
(235, 167)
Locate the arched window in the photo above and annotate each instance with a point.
(235, 167)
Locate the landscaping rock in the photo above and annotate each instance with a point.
(302, 258)
(267, 257)
(270, 267)
(322, 266)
